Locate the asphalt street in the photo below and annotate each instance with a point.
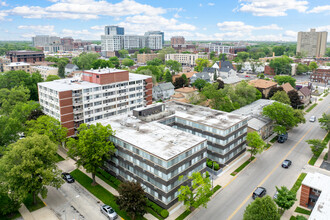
(266, 171)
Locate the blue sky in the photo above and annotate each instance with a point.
(194, 19)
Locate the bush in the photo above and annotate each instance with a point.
(164, 213)
(216, 166)
(155, 207)
(303, 211)
(216, 188)
(209, 163)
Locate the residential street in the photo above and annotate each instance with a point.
(266, 171)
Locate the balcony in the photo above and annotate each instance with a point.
(79, 103)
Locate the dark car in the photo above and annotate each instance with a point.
(109, 212)
(259, 192)
(286, 163)
(282, 138)
(67, 177)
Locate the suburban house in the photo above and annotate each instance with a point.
(256, 121)
(264, 86)
(188, 75)
(203, 75)
(315, 195)
(305, 95)
(69, 68)
(162, 91)
(287, 87)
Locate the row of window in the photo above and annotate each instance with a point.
(95, 89)
(52, 91)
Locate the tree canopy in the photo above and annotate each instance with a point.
(201, 64)
(285, 79)
(127, 62)
(261, 209)
(174, 66)
(281, 96)
(123, 53)
(285, 198)
(92, 147)
(281, 65)
(28, 166)
(155, 62)
(132, 199)
(199, 192)
(325, 122)
(164, 51)
(255, 142)
(99, 63)
(294, 99)
(52, 78)
(243, 56)
(84, 60)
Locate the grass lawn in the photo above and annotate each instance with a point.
(302, 211)
(32, 207)
(310, 108)
(59, 158)
(267, 146)
(102, 194)
(242, 166)
(313, 160)
(274, 139)
(297, 184)
(320, 99)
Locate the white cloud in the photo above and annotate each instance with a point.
(271, 7)
(320, 9)
(292, 34)
(98, 27)
(86, 9)
(3, 15)
(81, 34)
(323, 28)
(242, 27)
(210, 4)
(200, 5)
(49, 28)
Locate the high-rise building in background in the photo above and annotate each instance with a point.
(156, 33)
(312, 44)
(115, 39)
(113, 30)
(177, 40)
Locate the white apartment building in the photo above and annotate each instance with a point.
(17, 66)
(134, 42)
(45, 70)
(154, 41)
(112, 42)
(185, 59)
(98, 94)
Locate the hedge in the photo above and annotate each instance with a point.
(303, 211)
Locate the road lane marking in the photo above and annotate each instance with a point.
(271, 172)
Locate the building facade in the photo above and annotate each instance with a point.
(26, 56)
(143, 58)
(17, 66)
(185, 59)
(154, 41)
(312, 44)
(114, 30)
(161, 142)
(177, 40)
(99, 94)
(156, 33)
(45, 70)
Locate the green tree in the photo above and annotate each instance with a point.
(283, 115)
(156, 71)
(222, 56)
(218, 98)
(312, 66)
(114, 61)
(281, 96)
(261, 209)
(132, 199)
(145, 50)
(179, 82)
(149, 73)
(221, 84)
(84, 60)
(174, 66)
(9, 98)
(327, 53)
(199, 192)
(281, 65)
(285, 198)
(200, 84)
(168, 76)
(302, 68)
(317, 146)
(164, 51)
(274, 90)
(243, 56)
(294, 99)
(52, 78)
(123, 53)
(325, 122)
(285, 79)
(99, 63)
(61, 63)
(279, 50)
(186, 81)
(201, 64)
(48, 126)
(29, 166)
(127, 62)
(255, 143)
(92, 147)
(155, 62)
(7, 205)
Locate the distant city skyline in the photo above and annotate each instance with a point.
(259, 20)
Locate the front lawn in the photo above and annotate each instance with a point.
(28, 202)
(303, 211)
(310, 108)
(297, 184)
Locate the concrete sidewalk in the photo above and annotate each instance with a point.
(26, 214)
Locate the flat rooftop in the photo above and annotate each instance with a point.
(204, 115)
(160, 140)
(104, 71)
(18, 64)
(45, 67)
(255, 108)
(61, 85)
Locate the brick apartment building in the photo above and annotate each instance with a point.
(322, 75)
(177, 40)
(26, 56)
(98, 94)
(143, 58)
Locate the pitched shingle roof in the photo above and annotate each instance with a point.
(262, 84)
(305, 91)
(287, 87)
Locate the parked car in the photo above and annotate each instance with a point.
(67, 177)
(312, 119)
(282, 138)
(286, 163)
(259, 192)
(109, 212)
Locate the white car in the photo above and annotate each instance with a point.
(312, 119)
(109, 212)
